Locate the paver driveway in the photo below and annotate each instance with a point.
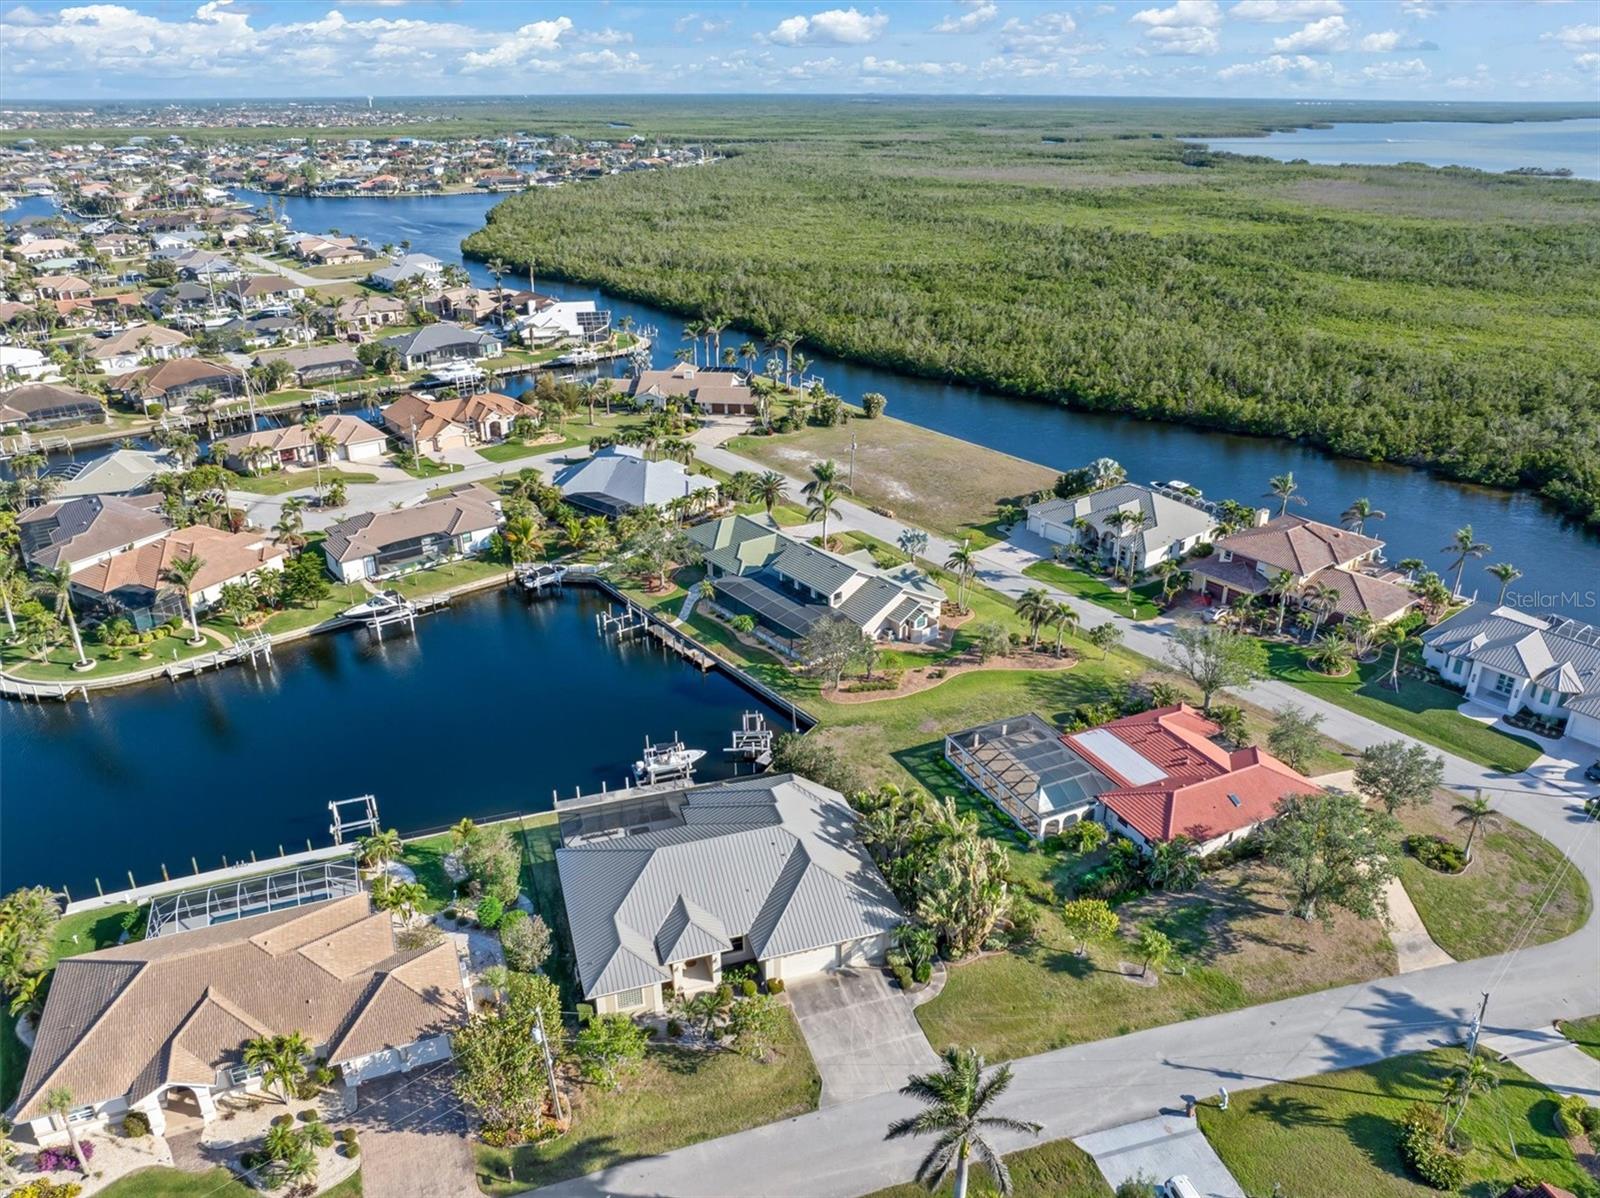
(414, 1136)
(861, 1033)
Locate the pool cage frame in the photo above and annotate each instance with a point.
(225, 902)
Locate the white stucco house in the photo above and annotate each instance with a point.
(1510, 660)
(1127, 524)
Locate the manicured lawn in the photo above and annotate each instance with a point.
(161, 1182)
(426, 859)
(340, 596)
(57, 666)
(1096, 590)
(679, 1097)
(1059, 1169)
(426, 467)
(1341, 1127)
(511, 451)
(1419, 709)
(1585, 1033)
(444, 577)
(278, 482)
(1486, 908)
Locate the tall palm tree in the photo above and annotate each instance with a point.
(1507, 574)
(59, 1102)
(1034, 606)
(1395, 636)
(323, 443)
(691, 332)
(9, 573)
(1282, 487)
(824, 474)
(958, 1099)
(181, 572)
(1464, 545)
(1321, 600)
(1355, 516)
(1475, 815)
(1063, 616)
(1472, 1076)
(822, 506)
(282, 1060)
(749, 354)
(497, 270)
(59, 581)
(963, 560)
(1282, 585)
(380, 848)
(290, 528)
(768, 489)
(786, 341)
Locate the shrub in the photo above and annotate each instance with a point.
(1085, 836)
(526, 940)
(309, 1115)
(347, 1135)
(1424, 1151)
(674, 1028)
(135, 1124)
(1437, 853)
(1589, 1117)
(1024, 921)
(1569, 1116)
(774, 985)
(748, 987)
(351, 1149)
(490, 911)
(922, 972)
(283, 1120)
(902, 974)
(743, 624)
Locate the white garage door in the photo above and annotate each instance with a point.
(799, 965)
(1585, 728)
(860, 953)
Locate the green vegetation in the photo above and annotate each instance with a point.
(161, 1182)
(1059, 1169)
(1421, 709)
(277, 482)
(1585, 1033)
(424, 467)
(1365, 309)
(1346, 1125)
(1515, 877)
(57, 664)
(678, 1096)
(1097, 590)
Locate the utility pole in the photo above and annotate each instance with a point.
(852, 483)
(549, 1061)
(1477, 1027)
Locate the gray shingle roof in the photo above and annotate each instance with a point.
(772, 859)
(433, 337)
(623, 476)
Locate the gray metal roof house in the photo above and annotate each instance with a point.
(619, 478)
(666, 888)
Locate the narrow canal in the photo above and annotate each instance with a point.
(495, 702)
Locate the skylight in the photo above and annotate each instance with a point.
(1120, 756)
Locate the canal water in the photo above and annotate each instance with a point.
(492, 704)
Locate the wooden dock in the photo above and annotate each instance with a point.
(256, 648)
(39, 692)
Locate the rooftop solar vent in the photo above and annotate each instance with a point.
(1234, 799)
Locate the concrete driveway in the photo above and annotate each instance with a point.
(414, 1136)
(1157, 1149)
(861, 1033)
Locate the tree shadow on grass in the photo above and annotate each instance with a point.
(1288, 1110)
(1378, 1139)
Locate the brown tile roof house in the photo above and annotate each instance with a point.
(141, 341)
(485, 417)
(374, 544)
(49, 405)
(293, 443)
(718, 392)
(173, 382)
(63, 286)
(130, 1022)
(74, 532)
(369, 311)
(136, 577)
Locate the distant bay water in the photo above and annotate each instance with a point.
(1547, 145)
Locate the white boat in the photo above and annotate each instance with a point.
(536, 578)
(666, 763)
(383, 601)
(453, 374)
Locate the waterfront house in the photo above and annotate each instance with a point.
(63, 286)
(431, 425)
(120, 472)
(383, 544)
(425, 268)
(619, 479)
(354, 440)
(262, 291)
(174, 383)
(436, 344)
(1510, 660)
(470, 305)
(711, 392)
(180, 297)
(671, 888)
(548, 320)
(1151, 777)
(49, 405)
(1127, 525)
(80, 531)
(161, 1024)
(133, 582)
(21, 362)
(1246, 562)
(133, 347)
(314, 365)
(788, 585)
(367, 312)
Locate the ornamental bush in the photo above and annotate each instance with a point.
(490, 912)
(1424, 1151)
(748, 987)
(1085, 836)
(135, 1124)
(1437, 853)
(526, 940)
(1569, 1116)
(774, 985)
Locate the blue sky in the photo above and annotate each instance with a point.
(1379, 49)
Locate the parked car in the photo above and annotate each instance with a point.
(1179, 1187)
(1593, 772)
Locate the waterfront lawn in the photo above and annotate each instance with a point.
(1097, 590)
(161, 1182)
(1420, 709)
(57, 665)
(466, 571)
(940, 483)
(1344, 1125)
(279, 482)
(678, 1097)
(1059, 1169)
(1485, 909)
(425, 858)
(1585, 1033)
(291, 619)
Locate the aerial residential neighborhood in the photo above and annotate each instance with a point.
(954, 598)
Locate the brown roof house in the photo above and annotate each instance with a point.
(383, 544)
(1314, 555)
(163, 1023)
(133, 582)
(49, 405)
(354, 440)
(173, 384)
(79, 532)
(435, 425)
(142, 343)
(714, 392)
(366, 312)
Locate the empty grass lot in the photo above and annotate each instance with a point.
(1418, 709)
(218, 1183)
(1516, 879)
(1059, 1169)
(1303, 1135)
(279, 482)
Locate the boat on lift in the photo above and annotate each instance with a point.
(538, 577)
(376, 605)
(669, 761)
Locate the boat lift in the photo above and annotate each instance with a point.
(364, 821)
(752, 741)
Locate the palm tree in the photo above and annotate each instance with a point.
(749, 354)
(59, 1102)
(1283, 585)
(957, 1100)
(963, 560)
(497, 269)
(1063, 616)
(323, 444)
(181, 572)
(1463, 546)
(59, 581)
(691, 333)
(1034, 606)
(786, 341)
(9, 571)
(1393, 635)
(380, 848)
(768, 489)
(1173, 579)
(1355, 516)
(1476, 814)
(822, 506)
(1507, 574)
(824, 474)
(281, 1059)
(1472, 1076)
(290, 528)
(1282, 487)
(523, 538)
(913, 542)
(1321, 600)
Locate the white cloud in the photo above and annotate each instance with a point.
(1298, 67)
(1420, 9)
(1392, 72)
(1392, 39)
(606, 37)
(1319, 37)
(1187, 27)
(893, 67)
(1574, 37)
(811, 68)
(1284, 10)
(836, 27)
(1588, 62)
(1048, 35)
(529, 41)
(701, 24)
(978, 14)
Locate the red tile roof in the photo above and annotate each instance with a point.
(1205, 791)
